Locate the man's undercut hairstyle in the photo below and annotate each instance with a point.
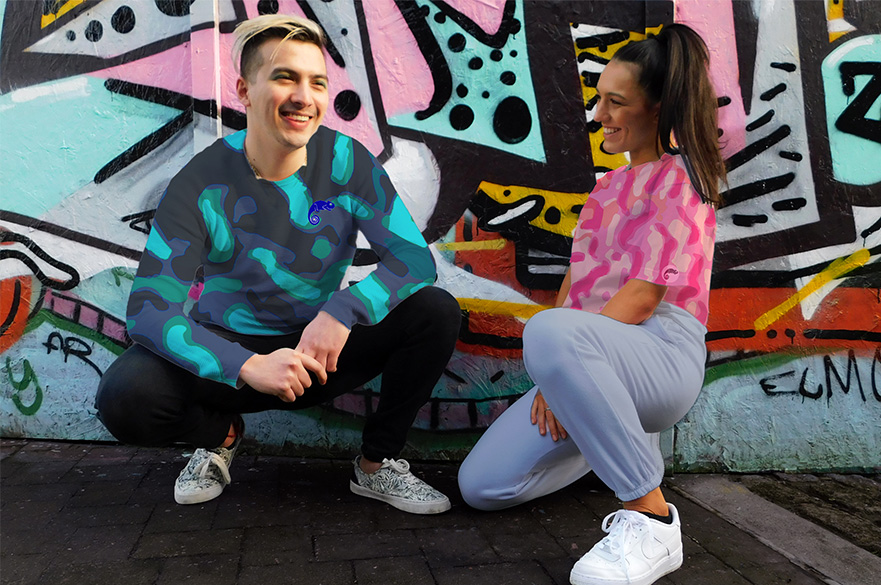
(251, 34)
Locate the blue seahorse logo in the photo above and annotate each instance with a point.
(315, 208)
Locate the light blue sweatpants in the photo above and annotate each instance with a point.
(612, 386)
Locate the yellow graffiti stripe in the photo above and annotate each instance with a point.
(48, 19)
(836, 269)
(522, 310)
(497, 244)
(834, 9)
(565, 203)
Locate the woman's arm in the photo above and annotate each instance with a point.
(564, 289)
(635, 301)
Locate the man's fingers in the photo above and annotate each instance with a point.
(313, 365)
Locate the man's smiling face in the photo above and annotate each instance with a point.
(286, 96)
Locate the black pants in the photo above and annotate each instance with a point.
(144, 399)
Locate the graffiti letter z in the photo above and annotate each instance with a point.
(853, 119)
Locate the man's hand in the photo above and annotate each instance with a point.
(283, 373)
(323, 339)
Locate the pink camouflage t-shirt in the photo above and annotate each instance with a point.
(646, 223)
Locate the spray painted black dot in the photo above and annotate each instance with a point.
(456, 43)
(513, 53)
(552, 215)
(347, 105)
(485, 95)
(440, 18)
(506, 192)
(496, 55)
(461, 91)
(267, 7)
(94, 31)
(772, 334)
(71, 36)
(475, 63)
(508, 78)
(174, 7)
(790, 334)
(512, 120)
(516, 25)
(123, 20)
(344, 32)
(461, 117)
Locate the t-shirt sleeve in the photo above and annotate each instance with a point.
(673, 241)
(155, 315)
(405, 262)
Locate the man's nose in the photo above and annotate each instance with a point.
(301, 94)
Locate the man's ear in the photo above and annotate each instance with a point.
(242, 92)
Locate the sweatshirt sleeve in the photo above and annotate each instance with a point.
(405, 262)
(188, 223)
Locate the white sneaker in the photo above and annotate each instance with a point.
(394, 484)
(205, 475)
(637, 551)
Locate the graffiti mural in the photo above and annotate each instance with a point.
(482, 112)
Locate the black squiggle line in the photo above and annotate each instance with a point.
(757, 188)
(508, 26)
(331, 48)
(69, 234)
(758, 123)
(13, 308)
(145, 146)
(434, 57)
(753, 150)
(40, 253)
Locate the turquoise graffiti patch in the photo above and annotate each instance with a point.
(853, 110)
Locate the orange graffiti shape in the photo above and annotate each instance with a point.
(15, 303)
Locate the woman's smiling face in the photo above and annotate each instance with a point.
(630, 121)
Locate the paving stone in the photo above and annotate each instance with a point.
(45, 452)
(28, 514)
(99, 493)
(201, 570)
(9, 448)
(60, 492)
(277, 545)
(521, 547)
(337, 547)
(332, 517)
(564, 516)
(410, 570)
(128, 572)
(172, 517)
(106, 472)
(319, 573)
(22, 569)
(99, 544)
(17, 472)
(451, 547)
(108, 455)
(105, 515)
(241, 507)
(182, 544)
(706, 569)
(47, 539)
(525, 573)
(558, 569)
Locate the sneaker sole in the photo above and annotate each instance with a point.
(196, 498)
(672, 563)
(403, 504)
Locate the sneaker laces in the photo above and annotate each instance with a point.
(401, 466)
(622, 526)
(204, 466)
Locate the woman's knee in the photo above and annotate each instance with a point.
(548, 342)
(476, 488)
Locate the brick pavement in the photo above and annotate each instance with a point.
(74, 513)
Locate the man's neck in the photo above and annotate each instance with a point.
(273, 164)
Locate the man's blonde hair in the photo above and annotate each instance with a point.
(252, 33)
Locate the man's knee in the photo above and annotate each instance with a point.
(438, 310)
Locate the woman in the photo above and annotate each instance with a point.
(622, 357)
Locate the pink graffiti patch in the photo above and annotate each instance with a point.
(487, 14)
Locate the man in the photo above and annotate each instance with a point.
(271, 215)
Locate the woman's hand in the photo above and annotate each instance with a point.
(544, 417)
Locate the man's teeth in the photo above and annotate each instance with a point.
(297, 117)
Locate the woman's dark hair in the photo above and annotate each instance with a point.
(673, 72)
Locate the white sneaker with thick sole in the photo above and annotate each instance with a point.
(637, 551)
(206, 474)
(394, 484)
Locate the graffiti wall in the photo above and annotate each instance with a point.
(482, 112)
